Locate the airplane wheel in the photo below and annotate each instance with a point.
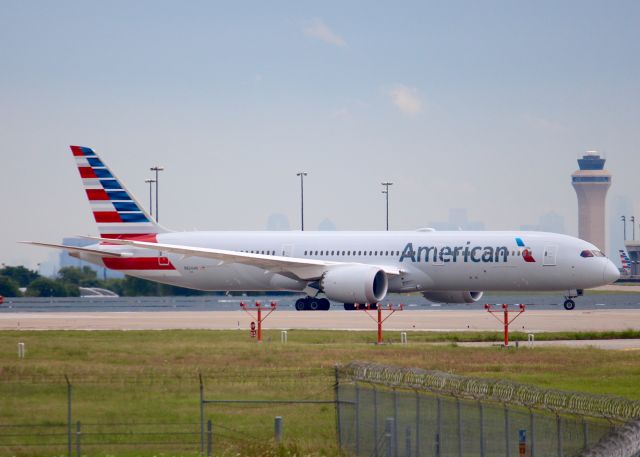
(314, 304)
(569, 305)
(349, 307)
(301, 304)
(325, 304)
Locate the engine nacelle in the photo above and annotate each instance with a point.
(355, 284)
(452, 296)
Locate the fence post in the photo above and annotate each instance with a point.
(532, 427)
(357, 419)
(201, 415)
(395, 422)
(336, 393)
(78, 439)
(277, 429)
(460, 434)
(389, 429)
(209, 438)
(559, 431)
(375, 419)
(417, 424)
(407, 441)
(438, 425)
(481, 429)
(507, 434)
(69, 435)
(585, 433)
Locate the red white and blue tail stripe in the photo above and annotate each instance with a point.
(625, 260)
(114, 208)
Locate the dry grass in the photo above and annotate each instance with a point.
(152, 377)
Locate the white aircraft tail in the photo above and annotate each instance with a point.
(115, 210)
(625, 260)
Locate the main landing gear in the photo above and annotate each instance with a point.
(312, 304)
(569, 304)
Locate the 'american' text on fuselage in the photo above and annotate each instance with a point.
(454, 254)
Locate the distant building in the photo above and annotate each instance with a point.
(458, 220)
(277, 222)
(591, 183)
(326, 225)
(619, 205)
(67, 261)
(548, 222)
(633, 250)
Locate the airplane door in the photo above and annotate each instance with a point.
(287, 250)
(550, 254)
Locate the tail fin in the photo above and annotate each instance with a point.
(115, 210)
(625, 260)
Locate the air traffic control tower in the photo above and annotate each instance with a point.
(591, 183)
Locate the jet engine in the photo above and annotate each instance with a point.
(452, 296)
(355, 284)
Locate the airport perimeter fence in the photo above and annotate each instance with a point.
(396, 412)
(43, 415)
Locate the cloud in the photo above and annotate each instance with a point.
(318, 29)
(406, 99)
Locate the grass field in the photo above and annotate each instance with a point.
(151, 377)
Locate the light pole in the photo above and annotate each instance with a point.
(386, 184)
(157, 169)
(302, 174)
(150, 182)
(633, 225)
(624, 225)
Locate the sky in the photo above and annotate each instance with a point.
(461, 104)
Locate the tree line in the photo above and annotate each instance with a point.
(16, 279)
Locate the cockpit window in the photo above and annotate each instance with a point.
(586, 253)
(598, 253)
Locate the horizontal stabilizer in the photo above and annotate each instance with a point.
(74, 248)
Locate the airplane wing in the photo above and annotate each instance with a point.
(306, 269)
(74, 248)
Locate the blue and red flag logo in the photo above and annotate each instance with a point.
(526, 252)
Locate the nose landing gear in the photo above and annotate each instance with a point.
(312, 304)
(569, 304)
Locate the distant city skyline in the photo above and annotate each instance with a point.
(476, 105)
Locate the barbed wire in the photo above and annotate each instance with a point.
(499, 391)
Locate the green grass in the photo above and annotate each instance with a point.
(151, 377)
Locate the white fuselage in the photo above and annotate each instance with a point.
(429, 260)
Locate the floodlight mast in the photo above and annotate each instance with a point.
(302, 174)
(157, 169)
(386, 184)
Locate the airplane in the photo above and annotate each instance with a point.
(349, 267)
(625, 261)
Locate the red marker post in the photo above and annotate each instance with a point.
(259, 308)
(505, 321)
(379, 320)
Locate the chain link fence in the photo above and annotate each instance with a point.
(387, 411)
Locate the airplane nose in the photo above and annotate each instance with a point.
(611, 272)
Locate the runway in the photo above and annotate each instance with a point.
(409, 320)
